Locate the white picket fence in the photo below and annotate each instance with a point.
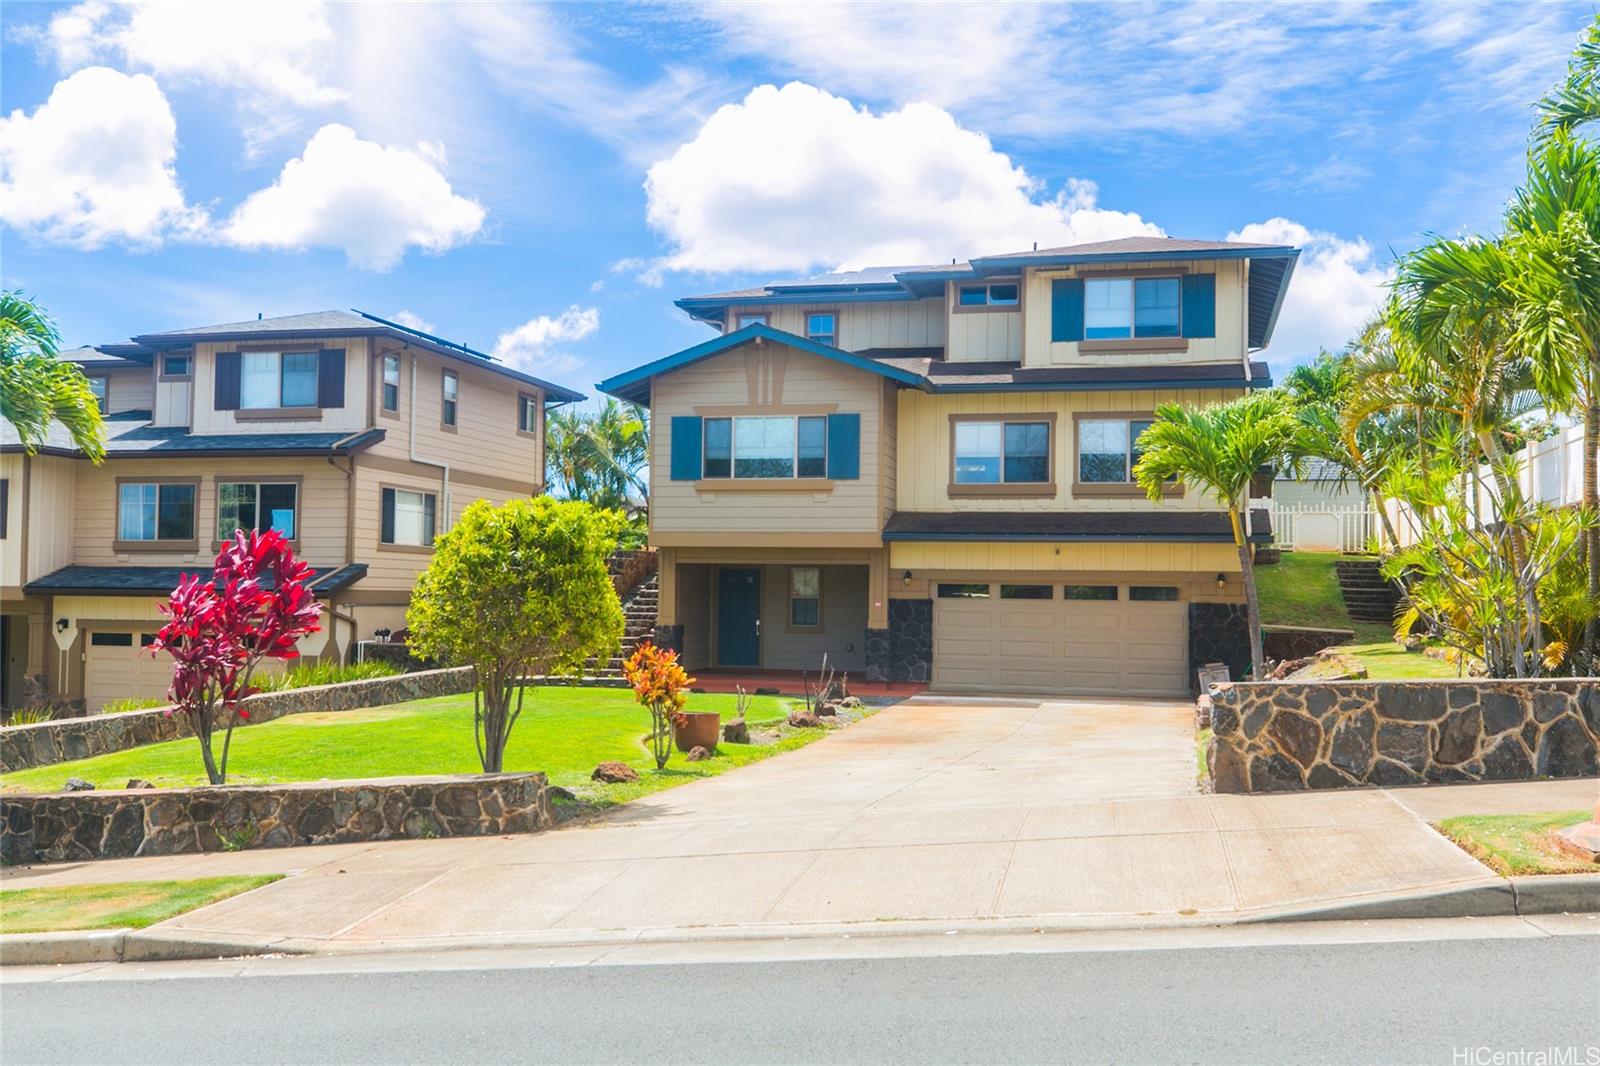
(1313, 527)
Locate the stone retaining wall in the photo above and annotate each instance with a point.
(1281, 643)
(1276, 736)
(74, 826)
(46, 743)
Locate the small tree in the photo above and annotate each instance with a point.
(254, 607)
(660, 684)
(517, 591)
(1217, 450)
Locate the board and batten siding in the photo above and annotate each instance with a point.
(980, 559)
(925, 473)
(982, 336)
(772, 380)
(842, 635)
(322, 514)
(347, 419)
(1227, 346)
(889, 324)
(484, 439)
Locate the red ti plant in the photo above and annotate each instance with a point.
(662, 685)
(254, 607)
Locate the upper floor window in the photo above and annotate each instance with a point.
(1119, 308)
(409, 517)
(101, 387)
(823, 327)
(249, 505)
(995, 294)
(449, 398)
(391, 381)
(766, 447)
(527, 413)
(805, 596)
(1108, 449)
(270, 380)
(757, 319)
(155, 511)
(175, 367)
(994, 453)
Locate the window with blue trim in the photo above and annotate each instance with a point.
(823, 327)
(995, 294)
(765, 447)
(1123, 308)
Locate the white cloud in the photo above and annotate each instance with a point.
(795, 177)
(273, 48)
(412, 320)
(95, 163)
(535, 346)
(1336, 287)
(370, 200)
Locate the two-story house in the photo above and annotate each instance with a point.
(926, 472)
(358, 438)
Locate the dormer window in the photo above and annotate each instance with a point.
(823, 327)
(175, 367)
(1123, 308)
(275, 380)
(101, 387)
(999, 294)
(758, 319)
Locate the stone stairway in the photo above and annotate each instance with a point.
(1368, 596)
(639, 623)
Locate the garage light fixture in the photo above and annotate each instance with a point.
(1222, 582)
(61, 625)
(905, 579)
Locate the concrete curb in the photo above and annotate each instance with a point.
(1557, 893)
(1547, 894)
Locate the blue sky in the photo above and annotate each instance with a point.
(542, 181)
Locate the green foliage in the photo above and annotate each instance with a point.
(30, 716)
(1576, 101)
(36, 388)
(601, 458)
(518, 591)
(1516, 845)
(306, 675)
(132, 703)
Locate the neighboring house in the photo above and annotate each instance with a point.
(358, 438)
(1320, 484)
(925, 472)
(1320, 510)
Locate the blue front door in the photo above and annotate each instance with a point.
(738, 617)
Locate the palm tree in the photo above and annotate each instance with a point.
(36, 388)
(1576, 101)
(1217, 450)
(618, 440)
(1553, 233)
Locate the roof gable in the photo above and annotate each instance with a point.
(634, 385)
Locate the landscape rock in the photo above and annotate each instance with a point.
(827, 709)
(736, 732)
(77, 784)
(138, 782)
(698, 754)
(613, 773)
(803, 720)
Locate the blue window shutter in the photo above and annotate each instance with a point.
(844, 447)
(1199, 305)
(1066, 309)
(685, 448)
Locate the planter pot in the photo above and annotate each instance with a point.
(701, 729)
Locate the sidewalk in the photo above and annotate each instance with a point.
(1004, 816)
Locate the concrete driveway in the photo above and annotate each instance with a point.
(1072, 810)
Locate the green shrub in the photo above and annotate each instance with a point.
(309, 674)
(132, 703)
(30, 716)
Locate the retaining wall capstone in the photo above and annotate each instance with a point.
(1278, 736)
(75, 826)
(46, 743)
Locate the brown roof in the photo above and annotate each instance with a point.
(1000, 376)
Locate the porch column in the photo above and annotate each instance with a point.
(879, 659)
(669, 633)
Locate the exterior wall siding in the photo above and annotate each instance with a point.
(954, 560)
(1227, 346)
(52, 513)
(924, 464)
(769, 381)
(890, 324)
(349, 418)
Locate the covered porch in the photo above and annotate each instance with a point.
(769, 615)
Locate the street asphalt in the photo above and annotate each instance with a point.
(1443, 992)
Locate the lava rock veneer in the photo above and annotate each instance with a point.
(1278, 736)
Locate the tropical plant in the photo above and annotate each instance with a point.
(253, 607)
(327, 673)
(516, 592)
(1217, 450)
(131, 703)
(30, 715)
(601, 457)
(661, 685)
(1576, 101)
(36, 388)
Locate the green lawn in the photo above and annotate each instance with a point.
(1303, 590)
(1516, 844)
(121, 905)
(563, 731)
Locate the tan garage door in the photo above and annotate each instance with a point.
(1121, 647)
(117, 666)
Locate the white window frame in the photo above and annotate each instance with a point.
(278, 358)
(418, 505)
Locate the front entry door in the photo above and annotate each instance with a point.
(739, 617)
